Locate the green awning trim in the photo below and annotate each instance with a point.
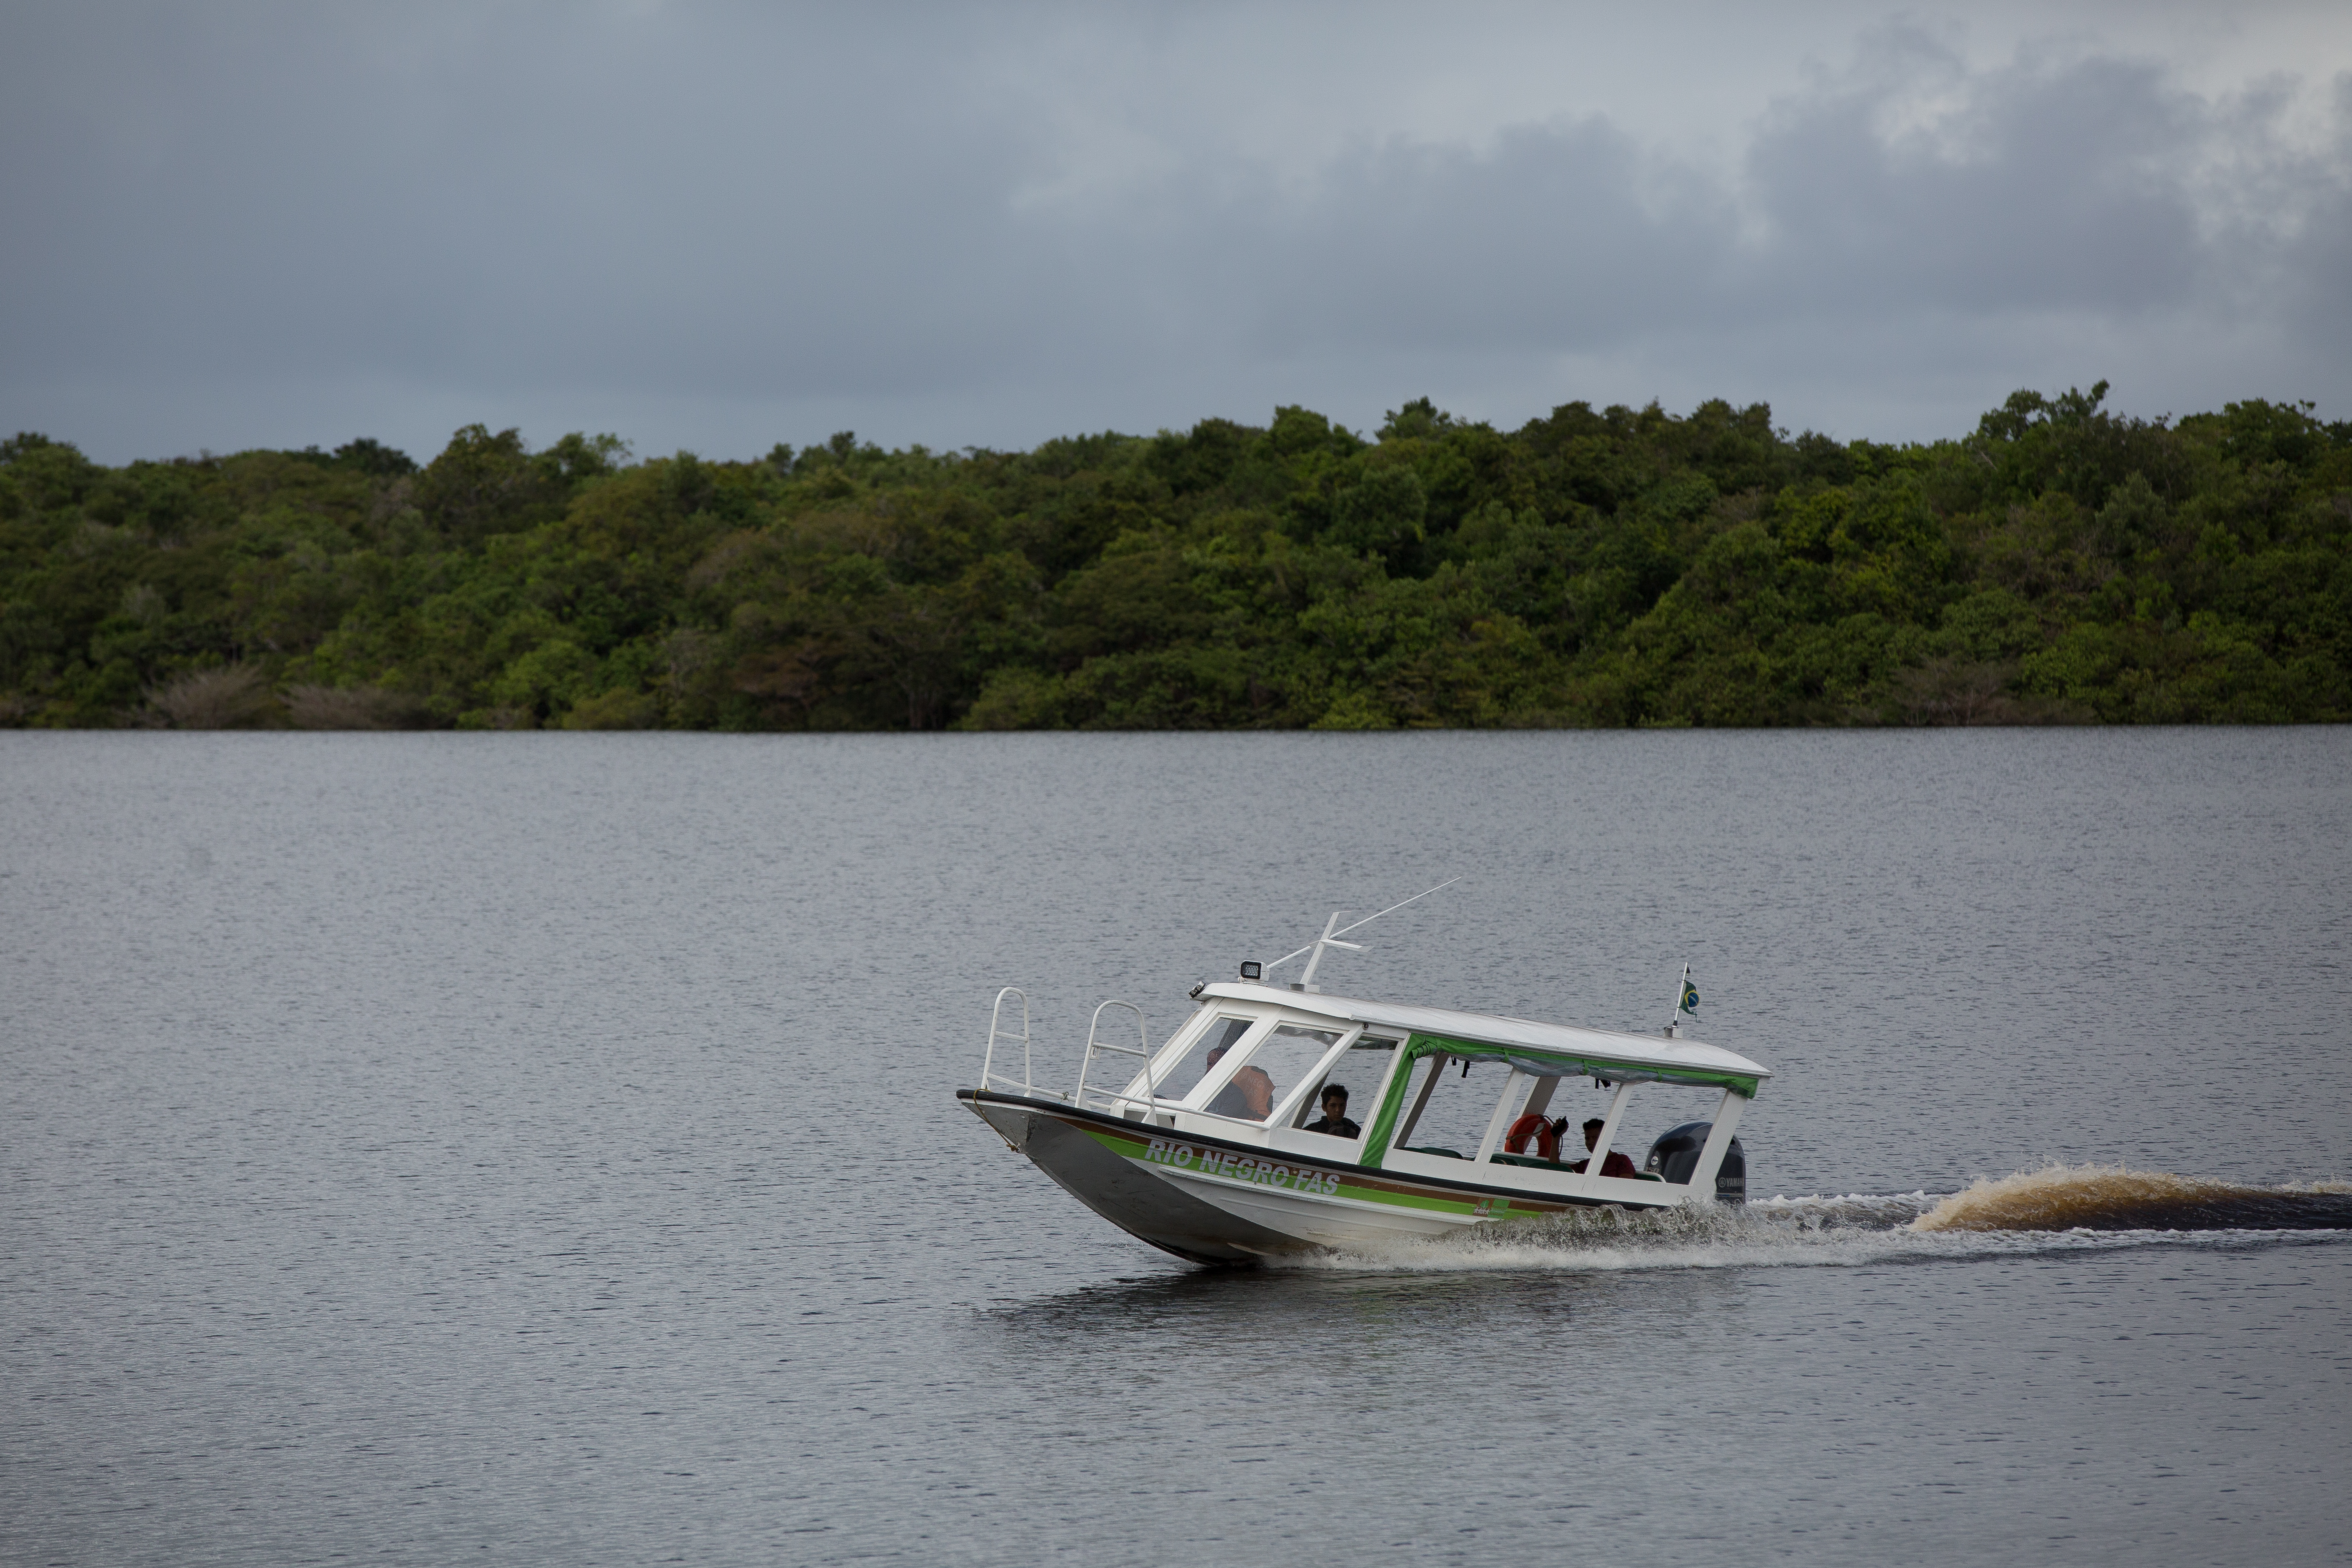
(1542, 1064)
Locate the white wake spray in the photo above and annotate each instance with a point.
(2061, 1208)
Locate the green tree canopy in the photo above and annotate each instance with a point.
(1622, 566)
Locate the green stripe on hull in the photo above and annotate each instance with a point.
(1180, 1154)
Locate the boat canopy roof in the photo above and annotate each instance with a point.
(1544, 1049)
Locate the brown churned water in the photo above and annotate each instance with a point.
(2069, 1197)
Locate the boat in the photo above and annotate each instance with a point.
(1210, 1145)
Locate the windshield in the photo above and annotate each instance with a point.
(1278, 1064)
(1222, 1035)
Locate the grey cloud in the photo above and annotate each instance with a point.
(1564, 234)
(701, 227)
(2057, 189)
(531, 204)
(2064, 191)
(2052, 205)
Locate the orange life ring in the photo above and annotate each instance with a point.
(1539, 1127)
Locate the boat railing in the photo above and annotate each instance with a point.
(1106, 1098)
(989, 1077)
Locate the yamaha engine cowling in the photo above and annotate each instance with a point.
(1675, 1157)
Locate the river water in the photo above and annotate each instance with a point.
(541, 1149)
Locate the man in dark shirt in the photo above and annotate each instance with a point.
(1616, 1164)
(1335, 1115)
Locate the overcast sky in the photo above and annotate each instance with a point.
(719, 226)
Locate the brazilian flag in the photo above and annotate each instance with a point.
(1690, 998)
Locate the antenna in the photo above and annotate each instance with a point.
(1333, 930)
(1324, 944)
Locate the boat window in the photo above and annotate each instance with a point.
(1566, 1104)
(1276, 1063)
(1672, 1108)
(1222, 1035)
(1362, 1069)
(1453, 1109)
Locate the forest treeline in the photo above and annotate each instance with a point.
(2062, 563)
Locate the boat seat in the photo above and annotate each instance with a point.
(1442, 1153)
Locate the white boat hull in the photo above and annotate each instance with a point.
(1213, 1202)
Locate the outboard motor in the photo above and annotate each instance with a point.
(1675, 1157)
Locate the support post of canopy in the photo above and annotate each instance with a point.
(1718, 1141)
(1598, 1156)
(1505, 1110)
(1420, 1101)
(1397, 1062)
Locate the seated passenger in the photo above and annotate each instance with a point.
(1616, 1164)
(1249, 1096)
(1335, 1120)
